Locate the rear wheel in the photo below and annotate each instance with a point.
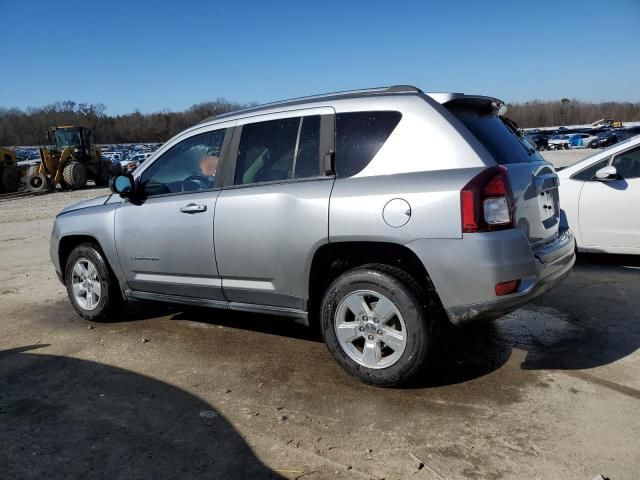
(8, 180)
(75, 175)
(91, 285)
(375, 321)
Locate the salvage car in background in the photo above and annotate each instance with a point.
(559, 142)
(581, 140)
(539, 141)
(604, 139)
(601, 199)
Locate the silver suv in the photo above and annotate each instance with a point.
(377, 213)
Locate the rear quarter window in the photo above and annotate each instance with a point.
(359, 136)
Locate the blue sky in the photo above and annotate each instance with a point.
(154, 55)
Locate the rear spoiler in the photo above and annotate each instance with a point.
(497, 106)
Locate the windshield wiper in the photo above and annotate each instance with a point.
(513, 126)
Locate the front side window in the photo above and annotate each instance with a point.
(628, 164)
(359, 136)
(279, 150)
(188, 166)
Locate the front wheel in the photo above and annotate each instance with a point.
(91, 286)
(375, 321)
(75, 175)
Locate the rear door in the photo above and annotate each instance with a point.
(273, 212)
(534, 183)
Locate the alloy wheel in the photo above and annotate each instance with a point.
(370, 329)
(86, 285)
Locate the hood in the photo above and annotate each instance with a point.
(94, 202)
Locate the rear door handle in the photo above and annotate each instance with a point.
(193, 208)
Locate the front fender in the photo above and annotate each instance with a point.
(95, 222)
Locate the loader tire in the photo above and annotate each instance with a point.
(9, 181)
(38, 183)
(75, 175)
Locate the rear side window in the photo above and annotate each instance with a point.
(359, 136)
(628, 164)
(501, 141)
(307, 161)
(279, 150)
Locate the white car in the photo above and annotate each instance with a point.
(559, 142)
(600, 196)
(581, 140)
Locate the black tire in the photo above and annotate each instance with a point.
(413, 303)
(38, 183)
(110, 300)
(102, 179)
(74, 175)
(9, 181)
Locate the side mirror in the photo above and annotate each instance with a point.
(124, 185)
(606, 174)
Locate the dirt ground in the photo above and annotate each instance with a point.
(552, 391)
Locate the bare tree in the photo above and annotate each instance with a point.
(538, 113)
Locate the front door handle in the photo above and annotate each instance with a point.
(193, 208)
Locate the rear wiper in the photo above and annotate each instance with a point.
(513, 126)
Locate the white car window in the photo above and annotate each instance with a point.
(628, 163)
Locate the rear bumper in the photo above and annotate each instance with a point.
(465, 272)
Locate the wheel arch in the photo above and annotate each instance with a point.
(332, 259)
(68, 243)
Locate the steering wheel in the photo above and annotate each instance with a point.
(193, 183)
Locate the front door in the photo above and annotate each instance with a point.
(165, 241)
(274, 209)
(609, 213)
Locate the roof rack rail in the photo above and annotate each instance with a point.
(293, 101)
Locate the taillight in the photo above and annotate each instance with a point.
(487, 202)
(505, 288)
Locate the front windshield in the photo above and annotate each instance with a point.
(67, 138)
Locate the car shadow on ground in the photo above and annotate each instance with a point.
(588, 321)
(63, 417)
(137, 310)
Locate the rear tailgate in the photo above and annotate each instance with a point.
(534, 183)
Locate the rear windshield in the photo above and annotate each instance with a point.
(502, 142)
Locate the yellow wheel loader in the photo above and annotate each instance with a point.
(69, 161)
(9, 178)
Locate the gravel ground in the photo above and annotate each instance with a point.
(550, 391)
